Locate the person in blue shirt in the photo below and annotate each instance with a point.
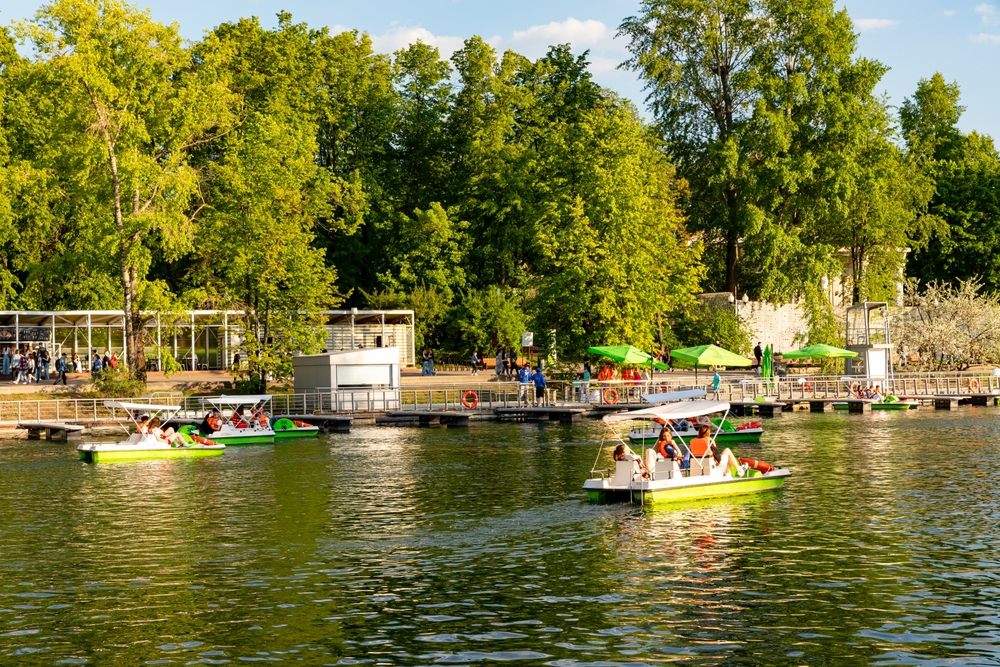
(716, 381)
(539, 379)
(524, 386)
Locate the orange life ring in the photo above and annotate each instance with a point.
(975, 386)
(203, 441)
(610, 396)
(470, 399)
(301, 424)
(759, 466)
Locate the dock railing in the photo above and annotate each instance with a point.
(492, 395)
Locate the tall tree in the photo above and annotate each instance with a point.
(266, 193)
(930, 119)
(745, 93)
(135, 105)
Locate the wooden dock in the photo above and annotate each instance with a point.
(424, 418)
(564, 415)
(58, 431)
(754, 408)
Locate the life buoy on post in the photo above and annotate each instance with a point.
(610, 396)
(470, 399)
(975, 386)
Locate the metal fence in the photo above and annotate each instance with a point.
(492, 395)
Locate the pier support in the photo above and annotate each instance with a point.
(856, 407)
(820, 406)
(945, 402)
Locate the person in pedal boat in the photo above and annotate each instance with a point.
(168, 436)
(702, 445)
(211, 423)
(666, 449)
(239, 421)
(143, 425)
(623, 453)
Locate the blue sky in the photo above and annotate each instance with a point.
(915, 38)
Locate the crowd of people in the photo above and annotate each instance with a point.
(26, 365)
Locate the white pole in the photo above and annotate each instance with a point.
(192, 344)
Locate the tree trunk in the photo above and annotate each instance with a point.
(135, 358)
(732, 260)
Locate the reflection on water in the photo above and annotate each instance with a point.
(436, 546)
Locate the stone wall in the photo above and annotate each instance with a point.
(775, 325)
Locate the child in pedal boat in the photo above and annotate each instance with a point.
(701, 445)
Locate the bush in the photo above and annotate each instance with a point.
(117, 383)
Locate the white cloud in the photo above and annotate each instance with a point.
(581, 34)
(865, 25)
(532, 42)
(400, 38)
(984, 38)
(949, 12)
(988, 14)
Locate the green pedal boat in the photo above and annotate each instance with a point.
(146, 446)
(289, 429)
(236, 420)
(885, 405)
(672, 481)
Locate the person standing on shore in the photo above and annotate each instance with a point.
(758, 354)
(474, 362)
(6, 360)
(45, 360)
(716, 381)
(539, 379)
(16, 366)
(524, 386)
(61, 368)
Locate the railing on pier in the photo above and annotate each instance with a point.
(492, 395)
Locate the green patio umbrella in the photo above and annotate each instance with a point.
(709, 355)
(627, 354)
(767, 366)
(820, 351)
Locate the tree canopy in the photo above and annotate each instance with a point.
(278, 172)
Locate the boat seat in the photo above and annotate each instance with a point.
(698, 469)
(623, 473)
(666, 469)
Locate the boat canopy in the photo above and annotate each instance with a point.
(656, 399)
(238, 400)
(140, 406)
(686, 410)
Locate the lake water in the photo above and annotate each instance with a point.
(476, 546)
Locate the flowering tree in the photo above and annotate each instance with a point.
(950, 324)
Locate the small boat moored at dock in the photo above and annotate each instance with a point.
(145, 446)
(668, 481)
(895, 404)
(243, 421)
(288, 429)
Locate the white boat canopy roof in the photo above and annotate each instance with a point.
(656, 399)
(672, 411)
(238, 400)
(140, 406)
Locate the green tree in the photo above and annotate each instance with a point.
(613, 253)
(749, 96)
(266, 194)
(930, 118)
(131, 107)
(967, 199)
